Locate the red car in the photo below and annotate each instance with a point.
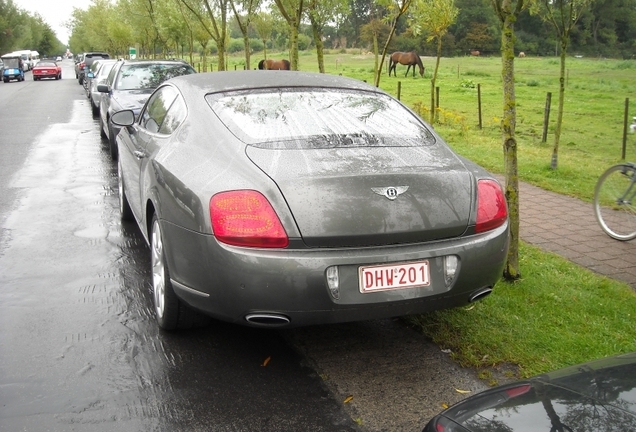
(47, 69)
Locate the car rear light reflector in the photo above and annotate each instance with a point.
(333, 282)
(450, 268)
(492, 211)
(246, 218)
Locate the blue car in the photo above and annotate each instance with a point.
(12, 69)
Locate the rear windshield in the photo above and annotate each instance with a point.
(149, 76)
(318, 118)
(12, 63)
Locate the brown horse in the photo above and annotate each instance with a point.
(475, 53)
(270, 64)
(406, 58)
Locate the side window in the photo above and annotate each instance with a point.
(156, 108)
(174, 117)
(111, 76)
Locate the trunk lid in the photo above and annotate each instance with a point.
(364, 196)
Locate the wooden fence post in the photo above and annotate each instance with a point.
(399, 91)
(436, 104)
(479, 103)
(546, 116)
(624, 152)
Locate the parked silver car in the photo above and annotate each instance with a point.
(97, 74)
(128, 85)
(286, 199)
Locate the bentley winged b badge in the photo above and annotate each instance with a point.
(391, 192)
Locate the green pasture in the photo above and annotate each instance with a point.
(558, 314)
(594, 109)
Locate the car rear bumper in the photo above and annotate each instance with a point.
(234, 284)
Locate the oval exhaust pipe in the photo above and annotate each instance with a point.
(479, 294)
(267, 319)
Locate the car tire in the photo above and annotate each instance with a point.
(112, 144)
(94, 109)
(171, 313)
(124, 207)
(102, 134)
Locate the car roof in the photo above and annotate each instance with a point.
(212, 82)
(151, 61)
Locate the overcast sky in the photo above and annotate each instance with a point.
(54, 13)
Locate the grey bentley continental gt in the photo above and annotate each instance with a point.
(279, 199)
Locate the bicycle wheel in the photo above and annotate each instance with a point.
(615, 201)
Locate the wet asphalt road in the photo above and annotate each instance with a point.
(79, 348)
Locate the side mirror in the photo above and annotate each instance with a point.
(123, 118)
(90, 75)
(102, 88)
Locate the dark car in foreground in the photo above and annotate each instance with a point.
(47, 68)
(287, 199)
(598, 396)
(128, 86)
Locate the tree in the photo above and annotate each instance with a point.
(213, 18)
(435, 17)
(263, 23)
(320, 12)
(249, 7)
(372, 32)
(292, 12)
(476, 27)
(508, 11)
(563, 15)
(395, 10)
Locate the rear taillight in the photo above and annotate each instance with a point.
(513, 392)
(492, 211)
(246, 218)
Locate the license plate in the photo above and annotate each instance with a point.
(394, 276)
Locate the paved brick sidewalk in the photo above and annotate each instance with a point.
(567, 227)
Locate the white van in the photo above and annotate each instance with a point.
(35, 58)
(26, 58)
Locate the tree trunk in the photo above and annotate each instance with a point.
(205, 56)
(320, 47)
(376, 55)
(511, 271)
(246, 44)
(384, 50)
(220, 47)
(434, 79)
(293, 47)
